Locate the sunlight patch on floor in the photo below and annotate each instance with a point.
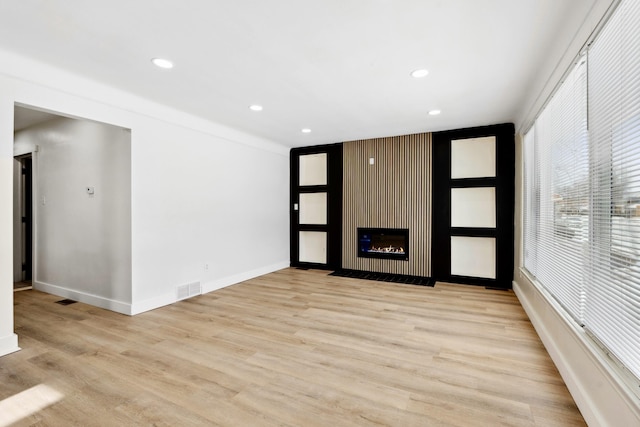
(27, 403)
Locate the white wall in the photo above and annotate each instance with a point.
(200, 191)
(82, 241)
(8, 340)
(207, 202)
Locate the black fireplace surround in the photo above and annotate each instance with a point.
(387, 243)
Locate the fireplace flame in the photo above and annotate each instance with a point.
(387, 249)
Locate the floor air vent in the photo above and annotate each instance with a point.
(189, 290)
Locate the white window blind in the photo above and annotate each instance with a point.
(530, 203)
(582, 190)
(612, 311)
(561, 199)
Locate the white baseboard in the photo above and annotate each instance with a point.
(153, 303)
(9, 344)
(237, 278)
(98, 301)
(602, 393)
(210, 286)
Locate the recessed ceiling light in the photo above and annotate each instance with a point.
(255, 107)
(422, 72)
(306, 130)
(162, 63)
(434, 112)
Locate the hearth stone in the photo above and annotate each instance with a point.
(385, 277)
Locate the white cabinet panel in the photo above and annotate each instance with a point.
(473, 207)
(313, 169)
(312, 247)
(473, 157)
(313, 208)
(473, 256)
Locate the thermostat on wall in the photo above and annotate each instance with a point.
(90, 190)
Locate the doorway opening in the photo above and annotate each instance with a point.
(72, 207)
(23, 223)
(23, 199)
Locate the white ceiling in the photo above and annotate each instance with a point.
(339, 67)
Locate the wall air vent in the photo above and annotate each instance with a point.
(195, 288)
(189, 290)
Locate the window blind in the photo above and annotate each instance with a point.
(582, 190)
(530, 203)
(562, 163)
(612, 311)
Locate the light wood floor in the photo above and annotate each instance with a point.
(22, 286)
(292, 348)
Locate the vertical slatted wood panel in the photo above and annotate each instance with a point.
(395, 192)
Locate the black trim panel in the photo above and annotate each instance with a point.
(333, 228)
(504, 182)
(473, 182)
(473, 232)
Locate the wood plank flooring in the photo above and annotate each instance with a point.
(22, 286)
(292, 348)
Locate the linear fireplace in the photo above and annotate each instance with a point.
(389, 243)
